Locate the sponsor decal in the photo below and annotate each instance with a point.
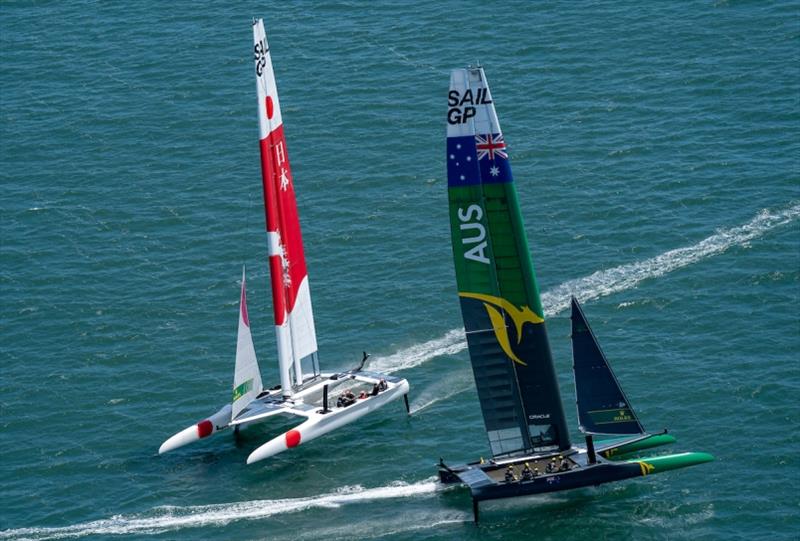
(462, 107)
(646, 467)
(260, 51)
(242, 389)
(611, 416)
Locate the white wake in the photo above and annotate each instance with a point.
(605, 282)
(169, 518)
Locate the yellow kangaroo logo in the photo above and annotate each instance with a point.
(646, 468)
(519, 316)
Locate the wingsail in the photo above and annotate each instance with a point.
(291, 296)
(500, 303)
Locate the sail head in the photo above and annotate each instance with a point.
(291, 296)
(500, 303)
(603, 407)
(246, 376)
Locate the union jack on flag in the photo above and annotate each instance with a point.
(489, 145)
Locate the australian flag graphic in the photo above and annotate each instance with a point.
(477, 159)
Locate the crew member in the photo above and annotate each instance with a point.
(527, 473)
(510, 477)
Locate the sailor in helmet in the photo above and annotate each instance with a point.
(551, 466)
(510, 477)
(563, 464)
(527, 473)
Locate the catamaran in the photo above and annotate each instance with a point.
(323, 401)
(507, 338)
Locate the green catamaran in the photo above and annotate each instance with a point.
(507, 336)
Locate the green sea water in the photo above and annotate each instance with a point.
(656, 151)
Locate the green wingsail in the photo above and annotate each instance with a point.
(499, 297)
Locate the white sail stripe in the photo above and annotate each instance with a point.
(274, 243)
(171, 518)
(283, 339)
(604, 283)
(304, 335)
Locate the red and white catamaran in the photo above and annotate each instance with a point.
(324, 401)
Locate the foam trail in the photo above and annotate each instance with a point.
(170, 518)
(450, 343)
(624, 277)
(606, 282)
(427, 402)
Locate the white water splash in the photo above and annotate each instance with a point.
(450, 343)
(169, 518)
(606, 282)
(624, 277)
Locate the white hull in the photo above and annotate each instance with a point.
(219, 421)
(307, 403)
(319, 424)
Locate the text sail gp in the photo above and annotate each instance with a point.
(463, 106)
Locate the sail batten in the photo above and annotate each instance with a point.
(602, 405)
(500, 303)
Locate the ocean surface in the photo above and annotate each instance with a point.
(656, 150)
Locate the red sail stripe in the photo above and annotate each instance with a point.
(281, 210)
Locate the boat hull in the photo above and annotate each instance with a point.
(486, 483)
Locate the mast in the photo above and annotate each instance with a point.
(602, 405)
(291, 297)
(500, 303)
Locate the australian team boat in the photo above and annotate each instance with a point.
(323, 401)
(531, 450)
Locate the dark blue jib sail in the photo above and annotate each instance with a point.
(603, 407)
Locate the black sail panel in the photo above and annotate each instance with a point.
(603, 407)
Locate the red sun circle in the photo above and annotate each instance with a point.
(292, 438)
(270, 107)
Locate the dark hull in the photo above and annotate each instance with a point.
(487, 481)
(576, 478)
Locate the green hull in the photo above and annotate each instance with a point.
(658, 464)
(625, 450)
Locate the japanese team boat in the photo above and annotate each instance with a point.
(507, 337)
(324, 402)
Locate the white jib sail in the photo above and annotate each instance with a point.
(246, 377)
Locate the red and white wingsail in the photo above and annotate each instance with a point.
(291, 297)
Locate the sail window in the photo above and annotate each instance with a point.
(506, 440)
(542, 435)
(310, 366)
